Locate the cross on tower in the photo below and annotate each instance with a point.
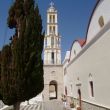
(51, 4)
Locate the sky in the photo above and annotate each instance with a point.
(73, 18)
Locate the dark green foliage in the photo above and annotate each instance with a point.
(16, 11)
(7, 78)
(22, 65)
(0, 76)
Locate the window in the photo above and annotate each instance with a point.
(101, 21)
(50, 29)
(53, 18)
(91, 87)
(58, 42)
(53, 74)
(66, 90)
(79, 95)
(50, 19)
(52, 41)
(52, 57)
(54, 29)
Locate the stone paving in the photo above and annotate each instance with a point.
(49, 105)
(53, 105)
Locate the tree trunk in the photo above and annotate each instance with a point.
(17, 106)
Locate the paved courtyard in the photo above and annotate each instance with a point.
(49, 105)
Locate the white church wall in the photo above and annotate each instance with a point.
(102, 9)
(65, 63)
(76, 48)
(93, 59)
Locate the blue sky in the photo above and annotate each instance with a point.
(73, 17)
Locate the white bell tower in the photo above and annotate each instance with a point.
(52, 40)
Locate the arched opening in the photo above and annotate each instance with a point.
(52, 41)
(66, 91)
(50, 29)
(53, 18)
(79, 95)
(91, 84)
(54, 29)
(53, 90)
(50, 19)
(92, 89)
(52, 57)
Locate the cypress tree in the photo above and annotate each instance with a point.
(22, 65)
(0, 77)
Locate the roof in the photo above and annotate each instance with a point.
(98, 1)
(81, 42)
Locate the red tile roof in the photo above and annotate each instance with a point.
(81, 42)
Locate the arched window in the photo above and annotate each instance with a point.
(92, 88)
(91, 85)
(58, 42)
(50, 18)
(66, 92)
(101, 21)
(53, 90)
(52, 57)
(53, 18)
(50, 29)
(52, 41)
(78, 84)
(54, 29)
(79, 94)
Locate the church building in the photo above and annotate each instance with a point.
(84, 74)
(87, 66)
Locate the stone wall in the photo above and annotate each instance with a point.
(53, 73)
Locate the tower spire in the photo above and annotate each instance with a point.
(52, 40)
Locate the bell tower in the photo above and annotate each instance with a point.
(52, 40)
